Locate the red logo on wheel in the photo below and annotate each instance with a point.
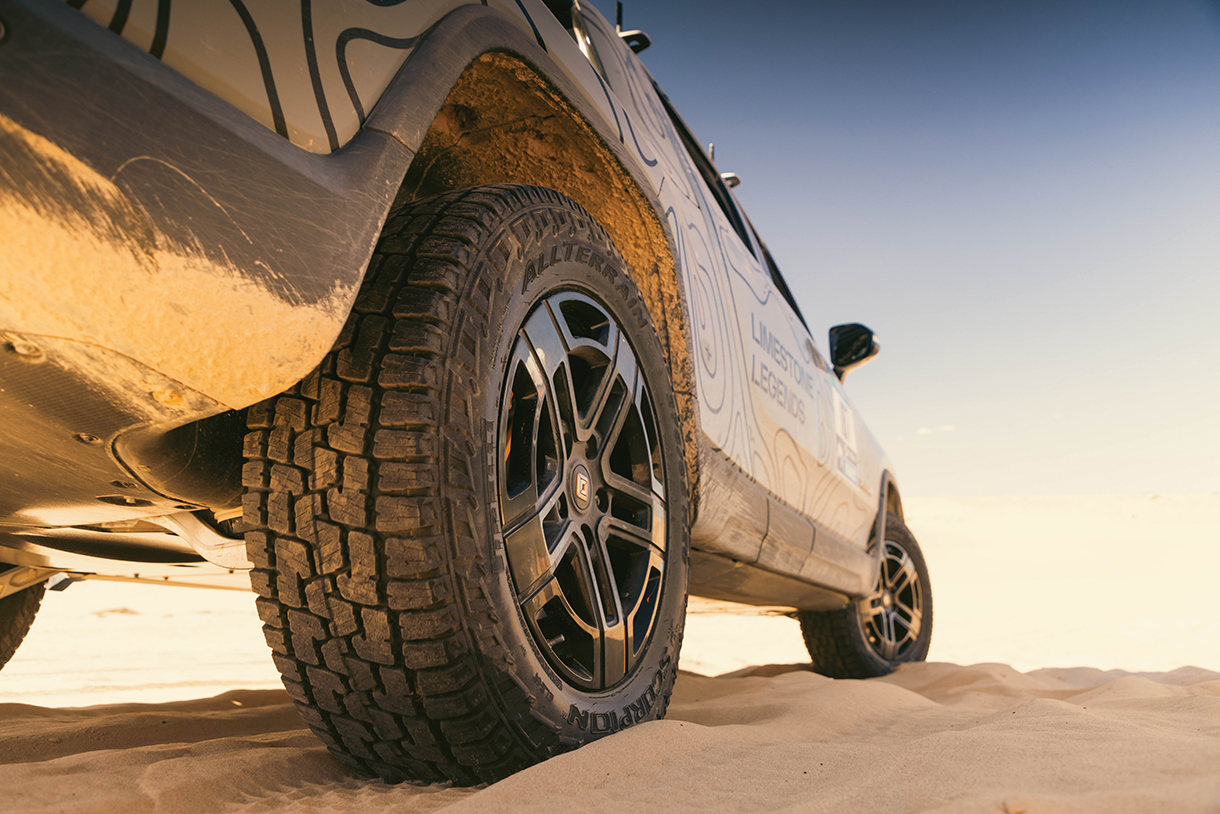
(582, 487)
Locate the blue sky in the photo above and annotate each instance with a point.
(1021, 199)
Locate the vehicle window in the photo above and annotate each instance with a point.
(778, 280)
(568, 14)
(706, 169)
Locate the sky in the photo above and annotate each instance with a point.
(1022, 199)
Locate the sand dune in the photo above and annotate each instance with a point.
(932, 737)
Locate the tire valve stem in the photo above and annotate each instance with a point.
(555, 642)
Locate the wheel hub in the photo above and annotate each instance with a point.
(581, 488)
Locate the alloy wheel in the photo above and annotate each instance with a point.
(893, 615)
(581, 491)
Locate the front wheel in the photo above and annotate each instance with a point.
(873, 635)
(470, 524)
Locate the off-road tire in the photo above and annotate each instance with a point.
(17, 613)
(371, 505)
(840, 643)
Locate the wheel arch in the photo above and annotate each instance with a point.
(480, 102)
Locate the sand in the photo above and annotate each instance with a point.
(932, 737)
(749, 729)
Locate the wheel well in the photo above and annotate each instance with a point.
(503, 122)
(893, 501)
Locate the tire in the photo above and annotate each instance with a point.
(17, 613)
(445, 598)
(872, 636)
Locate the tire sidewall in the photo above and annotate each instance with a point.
(546, 252)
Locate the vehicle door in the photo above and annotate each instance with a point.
(808, 431)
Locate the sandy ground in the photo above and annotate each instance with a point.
(128, 699)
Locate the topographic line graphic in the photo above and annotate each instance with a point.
(161, 34)
(652, 162)
(121, 13)
(610, 101)
(315, 74)
(264, 65)
(401, 43)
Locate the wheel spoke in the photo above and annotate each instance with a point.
(531, 455)
(552, 355)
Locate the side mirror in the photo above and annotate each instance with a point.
(851, 346)
(636, 40)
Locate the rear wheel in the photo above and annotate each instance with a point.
(469, 525)
(893, 625)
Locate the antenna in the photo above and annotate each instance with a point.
(618, 18)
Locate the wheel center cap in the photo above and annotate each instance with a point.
(580, 487)
(886, 599)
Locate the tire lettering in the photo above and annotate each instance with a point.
(579, 717)
(582, 255)
(605, 723)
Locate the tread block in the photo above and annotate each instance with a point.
(448, 679)
(407, 409)
(305, 509)
(291, 413)
(261, 415)
(386, 727)
(421, 655)
(342, 616)
(347, 507)
(293, 555)
(331, 555)
(258, 549)
(398, 477)
(255, 475)
(375, 643)
(325, 470)
(357, 363)
(406, 514)
(328, 689)
(413, 556)
(417, 337)
(390, 444)
(435, 269)
(424, 305)
(307, 631)
(280, 513)
(330, 402)
(403, 372)
(397, 693)
(279, 445)
(254, 444)
(355, 735)
(415, 594)
(286, 478)
(355, 474)
(455, 705)
(360, 585)
(361, 675)
(427, 624)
